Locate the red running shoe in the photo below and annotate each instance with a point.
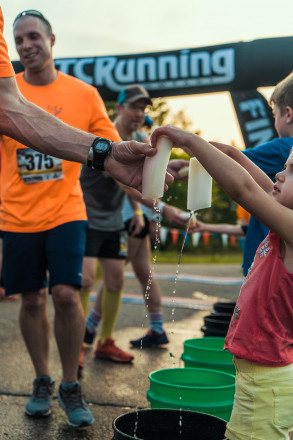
(108, 350)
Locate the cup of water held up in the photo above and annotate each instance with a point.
(199, 194)
(154, 170)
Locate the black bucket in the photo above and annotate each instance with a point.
(168, 424)
(224, 307)
(216, 324)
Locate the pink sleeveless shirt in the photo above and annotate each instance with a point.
(261, 328)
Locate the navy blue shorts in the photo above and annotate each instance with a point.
(28, 257)
(106, 244)
(143, 233)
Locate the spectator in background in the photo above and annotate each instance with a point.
(131, 106)
(270, 158)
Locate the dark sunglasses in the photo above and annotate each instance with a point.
(32, 13)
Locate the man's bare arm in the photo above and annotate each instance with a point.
(37, 129)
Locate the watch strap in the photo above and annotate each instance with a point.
(96, 159)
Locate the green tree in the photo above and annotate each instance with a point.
(110, 107)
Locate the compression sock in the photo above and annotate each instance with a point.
(156, 322)
(93, 320)
(110, 307)
(85, 301)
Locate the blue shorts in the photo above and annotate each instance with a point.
(27, 257)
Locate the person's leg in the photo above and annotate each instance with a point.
(113, 277)
(65, 247)
(89, 272)
(35, 328)
(24, 270)
(93, 316)
(69, 332)
(139, 254)
(94, 242)
(69, 328)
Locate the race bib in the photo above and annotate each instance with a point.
(35, 167)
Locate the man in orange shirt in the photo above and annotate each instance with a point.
(41, 131)
(43, 217)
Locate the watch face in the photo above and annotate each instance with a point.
(102, 146)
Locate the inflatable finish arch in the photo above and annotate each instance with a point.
(237, 67)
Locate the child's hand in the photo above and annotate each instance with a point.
(175, 166)
(178, 136)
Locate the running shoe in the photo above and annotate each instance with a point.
(39, 405)
(71, 401)
(89, 337)
(151, 339)
(108, 350)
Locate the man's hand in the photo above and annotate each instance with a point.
(136, 225)
(125, 163)
(174, 167)
(174, 216)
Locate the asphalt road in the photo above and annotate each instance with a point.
(111, 389)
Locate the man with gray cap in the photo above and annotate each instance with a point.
(130, 110)
(130, 115)
(131, 105)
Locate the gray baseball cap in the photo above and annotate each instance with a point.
(133, 93)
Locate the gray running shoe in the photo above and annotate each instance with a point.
(39, 404)
(70, 400)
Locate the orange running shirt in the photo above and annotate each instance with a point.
(242, 215)
(6, 68)
(39, 192)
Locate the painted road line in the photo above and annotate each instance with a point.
(168, 301)
(224, 281)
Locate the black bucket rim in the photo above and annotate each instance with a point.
(158, 410)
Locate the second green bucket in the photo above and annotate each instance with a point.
(207, 353)
(207, 391)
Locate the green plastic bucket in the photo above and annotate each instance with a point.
(207, 353)
(206, 391)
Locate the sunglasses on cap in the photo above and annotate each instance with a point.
(32, 13)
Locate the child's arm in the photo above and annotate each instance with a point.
(217, 228)
(256, 173)
(235, 181)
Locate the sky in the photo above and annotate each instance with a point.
(111, 27)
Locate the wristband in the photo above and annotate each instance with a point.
(138, 212)
(161, 206)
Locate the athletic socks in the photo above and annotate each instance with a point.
(156, 322)
(93, 320)
(111, 300)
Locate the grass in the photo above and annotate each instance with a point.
(215, 258)
(172, 257)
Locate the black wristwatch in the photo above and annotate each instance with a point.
(99, 150)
